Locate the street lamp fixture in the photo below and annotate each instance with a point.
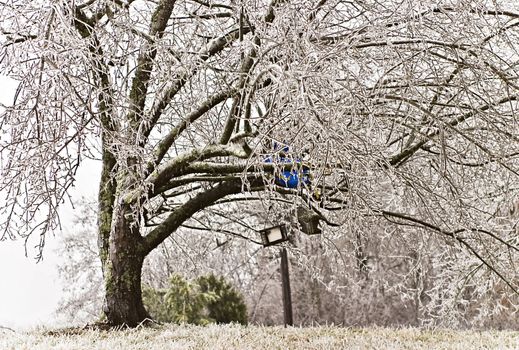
(274, 235)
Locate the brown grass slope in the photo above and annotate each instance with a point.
(254, 337)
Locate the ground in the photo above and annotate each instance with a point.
(255, 337)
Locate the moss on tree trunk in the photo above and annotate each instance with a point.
(122, 269)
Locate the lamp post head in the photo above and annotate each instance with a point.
(274, 235)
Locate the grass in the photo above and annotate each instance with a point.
(232, 337)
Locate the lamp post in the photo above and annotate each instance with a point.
(272, 236)
(285, 285)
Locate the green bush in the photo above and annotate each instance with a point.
(209, 299)
(227, 304)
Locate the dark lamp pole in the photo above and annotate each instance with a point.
(285, 284)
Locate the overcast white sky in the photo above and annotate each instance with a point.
(30, 291)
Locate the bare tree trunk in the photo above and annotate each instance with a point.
(122, 269)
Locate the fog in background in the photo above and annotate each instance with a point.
(29, 290)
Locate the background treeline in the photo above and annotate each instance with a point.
(381, 274)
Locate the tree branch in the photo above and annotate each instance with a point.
(188, 209)
(455, 235)
(165, 144)
(177, 166)
(400, 158)
(141, 80)
(246, 67)
(214, 47)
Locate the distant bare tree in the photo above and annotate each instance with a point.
(80, 268)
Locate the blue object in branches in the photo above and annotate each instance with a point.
(290, 178)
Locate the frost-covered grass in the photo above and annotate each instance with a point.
(238, 337)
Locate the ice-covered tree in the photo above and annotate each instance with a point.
(397, 111)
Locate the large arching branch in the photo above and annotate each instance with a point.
(187, 210)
